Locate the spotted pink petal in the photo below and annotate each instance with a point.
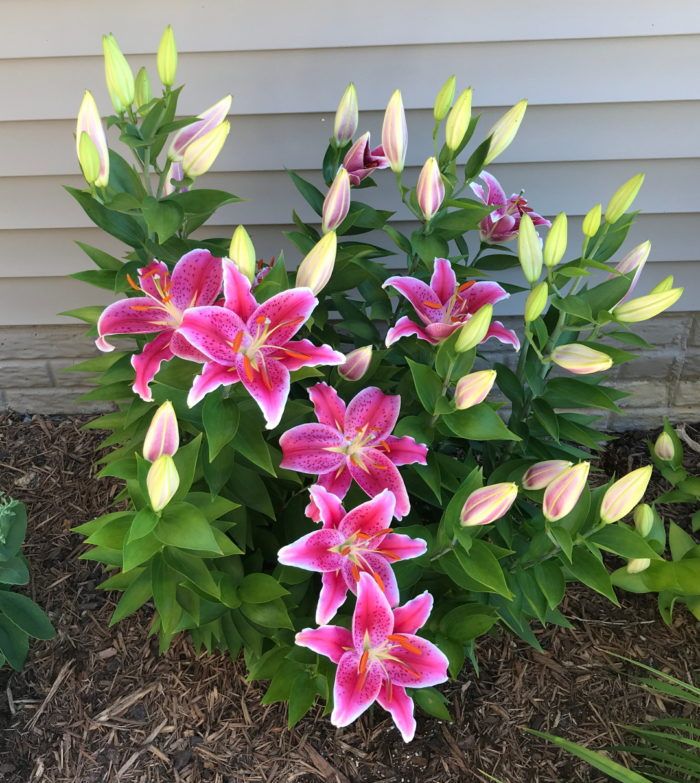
(420, 667)
(147, 363)
(373, 412)
(196, 280)
(212, 330)
(330, 509)
(495, 193)
(353, 692)
(444, 280)
(154, 279)
(180, 347)
(312, 552)
(329, 640)
(405, 450)
(328, 406)
(267, 383)
(237, 295)
(503, 335)
(212, 376)
(413, 614)
(436, 333)
(305, 448)
(397, 546)
(337, 481)
(483, 293)
(373, 619)
(303, 353)
(285, 313)
(334, 591)
(379, 473)
(425, 301)
(380, 570)
(135, 315)
(395, 700)
(405, 327)
(370, 518)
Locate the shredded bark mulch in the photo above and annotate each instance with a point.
(99, 704)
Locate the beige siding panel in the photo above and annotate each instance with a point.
(271, 143)
(286, 81)
(46, 28)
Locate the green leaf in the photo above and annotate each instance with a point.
(26, 615)
(428, 385)
(163, 218)
(272, 614)
(570, 392)
(260, 588)
(623, 541)
(586, 567)
(250, 442)
(185, 526)
(432, 702)
(220, 418)
(482, 566)
(468, 622)
(123, 227)
(481, 422)
(679, 541)
(213, 507)
(101, 259)
(202, 201)
(550, 579)
(682, 576)
(546, 416)
(14, 644)
(140, 550)
(164, 582)
(312, 195)
(13, 528)
(142, 524)
(135, 596)
(194, 569)
(186, 463)
(14, 571)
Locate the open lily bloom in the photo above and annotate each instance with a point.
(252, 344)
(349, 545)
(503, 223)
(195, 281)
(353, 443)
(443, 306)
(380, 657)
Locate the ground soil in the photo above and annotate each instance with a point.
(99, 704)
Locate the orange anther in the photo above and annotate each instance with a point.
(379, 581)
(433, 305)
(236, 342)
(402, 641)
(130, 281)
(248, 367)
(465, 286)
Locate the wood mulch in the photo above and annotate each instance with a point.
(99, 704)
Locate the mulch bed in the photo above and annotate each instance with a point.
(99, 704)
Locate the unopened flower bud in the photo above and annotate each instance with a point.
(473, 388)
(536, 302)
(395, 133)
(664, 447)
(555, 244)
(643, 519)
(580, 359)
(622, 198)
(475, 329)
(634, 261)
(458, 120)
(89, 123)
(504, 131)
(162, 482)
(488, 504)
(142, 89)
(665, 285)
(118, 75)
(356, 363)
(564, 491)
(346, 116)
(591, 222)
(200, 154)
(529, 249)
(337, 201)
(206, 121)
(317, 267)
(541, 474)
(88, 158)
(444, 98)
(645, 307)
(430, 190)
(638, 564)
(163, 435)
(242, 252)
(624, 494)
(167, 57)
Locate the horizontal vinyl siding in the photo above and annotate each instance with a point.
(613, 90)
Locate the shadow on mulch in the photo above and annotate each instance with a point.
(99, 704)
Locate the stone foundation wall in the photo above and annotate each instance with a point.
(662, 382)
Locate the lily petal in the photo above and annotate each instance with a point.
(330, 509)
(267, 383)
(334, 591)
(337, 481)
(329, 640)
(405, 450)
(405, 327)
(303, 353)
(370, 518)
(312, 552)
(398, 546)
(395, 700)
(212, 376)
(283, 314)
(135, 315)
(306, 448)
(436, 333)
(147, 363)
(373, 412)
(212, 330)
(196, 280)
(237, 295)
(381, 572)
(180, 347)
(483, 293)
(353, 691)
(154, 279)
(420, 663)
(328, 406)
(503, 335)
(373, 618)
(444, 280)
(425, 301)
(413, 614)
(378, 472)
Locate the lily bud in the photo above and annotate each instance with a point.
(395, 133)
(162, 482)
(541, 474)
(664, 447)
(580, 359)
(346, 116)
(430, 190)
(591, 223)
(242, 252)
(200, 154)
(118, 75)
(643, 519)
(176, 173)
(637, 565)
(473, 388)
(356, 363)
(205, 122)
(142, 89)
(444, 98)
(536, 302)
(89, 123)
(563, 492)
(622, 496)
(622, 198)
(474, 330)
(634, 261)
(163, 435)
(337, 201)
(488, 504)
(529, 249)
(555, 244)
(665, 285)
(88, 158)
(504, 131)
(167, 57)
(317, 267)
(645, 307)
(458, 120)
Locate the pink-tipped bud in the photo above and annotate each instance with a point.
(162, 482)
(541, 474)
(664, 448)
(316, 268)
(89, 123)
(473, 388)
(634, 261)
(356, 363)
(395, 133)
(163, 435)
(580, 359)
(206, 121)
(488, 504)
(200, 154)
(337, 201)
(430, 190)
(346, 116)
(175, 175)
(622, 496)
(564, 490)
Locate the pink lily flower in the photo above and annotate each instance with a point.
(353, 443)
(380, 657)
(195, 281)
(443, 307)
(252, 343)
(503, 223)
(349, 545)
(360, 160)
